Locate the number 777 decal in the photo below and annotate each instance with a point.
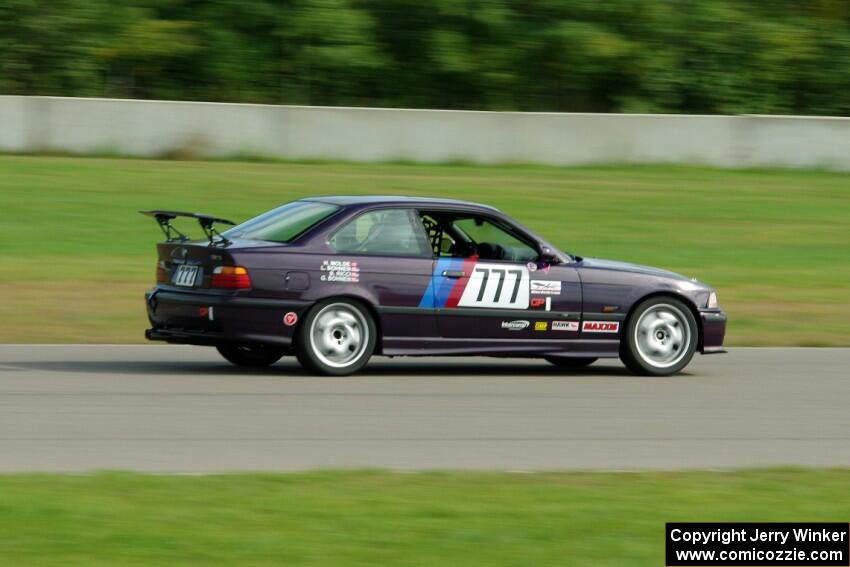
(481, 285)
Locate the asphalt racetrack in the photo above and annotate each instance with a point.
(184, 409)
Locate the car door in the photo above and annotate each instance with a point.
(490, 283)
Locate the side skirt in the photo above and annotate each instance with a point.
(431, 346)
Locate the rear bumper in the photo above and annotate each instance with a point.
(713, 331)
(209, 319)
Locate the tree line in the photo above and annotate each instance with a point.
(676, 56)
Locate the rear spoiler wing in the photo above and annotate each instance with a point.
(207, 222)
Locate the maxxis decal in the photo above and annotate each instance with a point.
(600, 327)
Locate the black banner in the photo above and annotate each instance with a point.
(693, 544)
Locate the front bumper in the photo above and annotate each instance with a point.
(713, 331)
(190, 317)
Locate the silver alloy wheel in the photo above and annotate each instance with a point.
(339, 335)
(662, 335)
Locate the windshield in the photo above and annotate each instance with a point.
(283, 223)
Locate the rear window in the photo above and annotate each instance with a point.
(283, 223)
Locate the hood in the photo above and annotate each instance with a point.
(634, 268)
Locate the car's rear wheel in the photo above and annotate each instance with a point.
(337, 338)
(660, 337)
(573, 363)
(254, 356)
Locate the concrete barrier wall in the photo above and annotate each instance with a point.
(157, 128)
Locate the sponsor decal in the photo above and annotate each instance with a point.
(541, 325)
(290, 318)
(538, 302)
(500, 286)
(600, 326)
(544, 266)
(515, 325)
(339, 271)
(493, 285)
(532, 267)
(565, 325)
(545, 287)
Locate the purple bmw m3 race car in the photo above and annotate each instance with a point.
(334, 280)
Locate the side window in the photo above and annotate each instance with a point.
(493, 242)
(387, 232)
(441, 242)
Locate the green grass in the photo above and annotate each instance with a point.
(775, 243)
(383, 518)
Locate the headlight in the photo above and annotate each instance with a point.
(712, 300)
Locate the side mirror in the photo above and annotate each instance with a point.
(548, 255)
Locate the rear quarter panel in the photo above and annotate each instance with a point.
(380, 282)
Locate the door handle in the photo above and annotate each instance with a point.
(454, 273)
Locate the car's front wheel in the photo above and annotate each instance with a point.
(660, 337)
(337, 337)
(253, 356)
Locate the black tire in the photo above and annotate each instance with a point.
(251, 356)
(639, 359)
(572, 363)
(346, 334)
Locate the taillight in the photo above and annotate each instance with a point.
(161, 272)
(231, 277)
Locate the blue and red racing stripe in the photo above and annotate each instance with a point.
(443, 291)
